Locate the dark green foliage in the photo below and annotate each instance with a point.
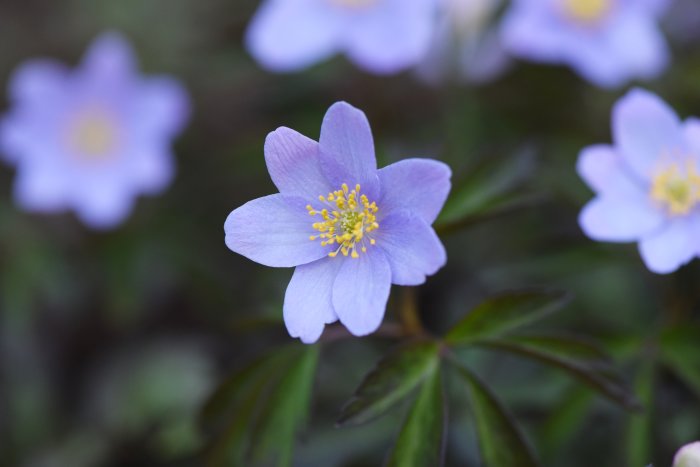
(393, 379)
(422, 437)
(501, 442)
(503, 313)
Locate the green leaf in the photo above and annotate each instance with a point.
(286, 411)
(565, 420)
(639, 430)
(681, 353)
(502, 313)
(596, 372)
(421, 441)
(488, 191)
(394, 377)
(500, 440)
(244, 413)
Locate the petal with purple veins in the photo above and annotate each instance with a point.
(293, 161)
(347, 149)
(411, 246)
(308, 304)
(361, 290)
(421, 185)
(274, 231)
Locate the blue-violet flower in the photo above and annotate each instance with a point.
(648, 184)
(608, 42)
(349, 229)
(93, 138)
(381, 36)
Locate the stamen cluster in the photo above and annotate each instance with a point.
(587, 11)
(348, 218)
(677, 189)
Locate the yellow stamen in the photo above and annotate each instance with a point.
(587, 11)
(676, 189)
(348, 223)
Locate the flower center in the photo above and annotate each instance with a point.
(348, 218)
(587, 11)
(93, 133)
(678, 190)
(356, 4)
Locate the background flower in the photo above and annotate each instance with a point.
(647, 184)
(94, 138)
(465, 44)
(351, 230)
(688, 456)
(608, 42)
(381, 36)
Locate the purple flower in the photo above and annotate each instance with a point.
(465, 45)
(93, 138)
(381, 36)
(351, 230)
(648, 184)
(608, 42)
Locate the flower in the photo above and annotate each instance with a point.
(351, 230)
(381, 36)
(648, 184)
(94, 138)
(688, 456)
(464, 44)
(608, 42)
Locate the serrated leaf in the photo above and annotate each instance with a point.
(286, 410)
(500, 440)
(421, 441)
(681, 353)
(394, 377)
(597, 374)
(505, 312)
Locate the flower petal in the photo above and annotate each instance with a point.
(308, 304)
(617, 219)
(36, 189)
(39, 82)
(347, 148)
(162, 107)
(645, 128)
(110, 58)
(411, 246)
(605, 172)
(293, 161)
(421, 185)
(637, 42)
(361, 290)
(288, 35)
(394, 36)
(274, 231)
(102, 205)
(691, 131)
(670, 248)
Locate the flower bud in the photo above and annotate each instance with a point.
(688, 456)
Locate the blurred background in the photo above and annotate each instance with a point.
(111, 342)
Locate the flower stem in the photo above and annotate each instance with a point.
(408, 313)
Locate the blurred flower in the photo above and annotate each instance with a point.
(688, 456)
(381, 36)
(350, 229)
(464, 44)
(608, 42)
(94, 138)
(647, 184)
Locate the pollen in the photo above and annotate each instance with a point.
(677, 188)
(587, 11)
(92, 133)
(347, 221)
